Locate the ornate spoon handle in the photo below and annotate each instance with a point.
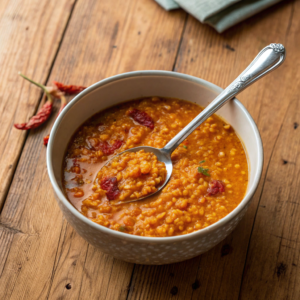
(267, 60)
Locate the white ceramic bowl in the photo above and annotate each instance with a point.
(117, 89)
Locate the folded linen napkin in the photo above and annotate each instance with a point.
(220, 14)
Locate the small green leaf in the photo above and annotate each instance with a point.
(203, 171)
(184, 146)
(122, 228)
(202, 161)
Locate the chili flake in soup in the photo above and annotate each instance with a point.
(210, 171)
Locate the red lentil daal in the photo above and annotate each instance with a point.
(210, 171)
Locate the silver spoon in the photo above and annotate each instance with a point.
(267, 60)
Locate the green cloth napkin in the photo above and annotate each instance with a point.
(168, 4)
(220, 14)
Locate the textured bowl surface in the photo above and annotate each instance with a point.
(117, 89)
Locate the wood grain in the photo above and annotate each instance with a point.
(219, 59)
(272, 263)
(30, 33)
(42, 256)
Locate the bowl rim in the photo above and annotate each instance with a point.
(141, 239)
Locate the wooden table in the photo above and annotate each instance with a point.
(81, 42)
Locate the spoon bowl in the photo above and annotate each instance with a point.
(161, 155)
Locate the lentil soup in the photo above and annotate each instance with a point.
(210, 171)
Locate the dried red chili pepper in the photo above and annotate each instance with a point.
(110, 185)
(215, 187)
(42, 115)
(46, 139)
(105, 147)
(110, 149)
(141, 117)
(69, 89)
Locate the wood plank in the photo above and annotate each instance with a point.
(30, 33)
(42, 256)
(219, 59)
(272, 267)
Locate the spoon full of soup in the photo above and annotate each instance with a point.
(134, 164)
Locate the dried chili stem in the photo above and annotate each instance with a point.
(39, 85)
(63, 104)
